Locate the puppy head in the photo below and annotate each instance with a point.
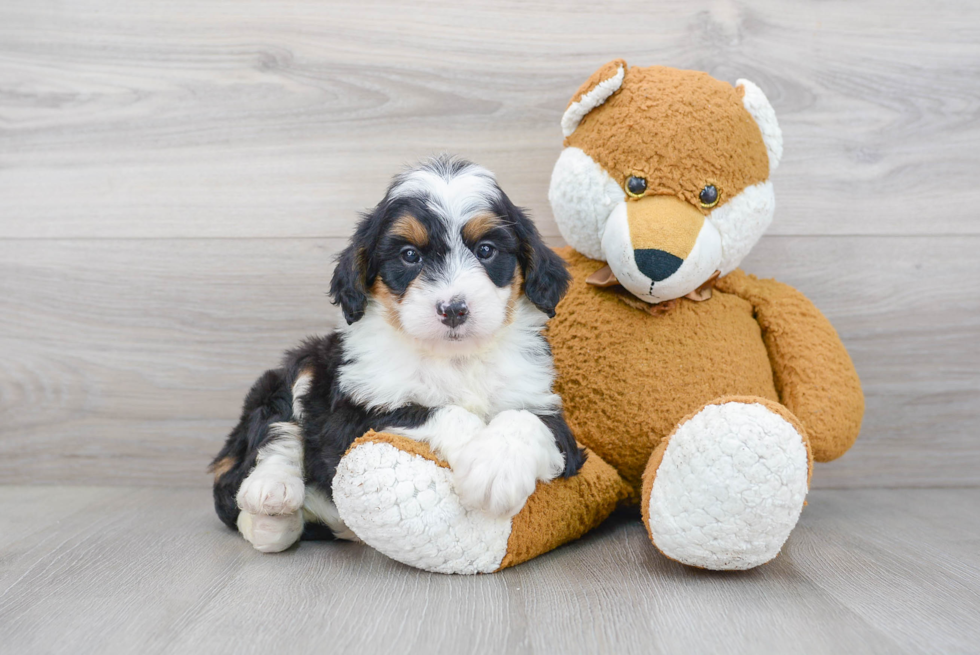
(447, 256)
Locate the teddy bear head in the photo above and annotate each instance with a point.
(665, 176)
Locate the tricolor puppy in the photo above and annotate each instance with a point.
(446, 287)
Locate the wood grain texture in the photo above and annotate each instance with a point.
(124, 570)
(125, 361)
(249, 118)
(176, 176)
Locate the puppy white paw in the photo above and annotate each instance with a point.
(270, 534)
(264, 493)
(498, 470)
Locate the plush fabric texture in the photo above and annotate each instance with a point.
(564, 509)
(725, 490)
(627, 378)
(398, 497)
(678, 129)
(813, 373)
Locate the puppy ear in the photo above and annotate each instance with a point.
(546, 276)
(348, 288)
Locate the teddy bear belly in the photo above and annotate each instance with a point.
(628, 378)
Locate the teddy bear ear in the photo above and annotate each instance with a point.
(596, 90)
(758, 106)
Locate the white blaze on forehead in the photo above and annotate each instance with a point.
(455, 196)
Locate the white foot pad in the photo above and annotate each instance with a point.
(405, 506)
(270, 534)
(730, 488)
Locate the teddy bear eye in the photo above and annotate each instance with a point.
(708, 196)
(636, 186)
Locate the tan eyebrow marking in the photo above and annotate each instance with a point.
(411, 229)
(479, 225)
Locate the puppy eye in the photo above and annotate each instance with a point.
(485, 251)
(636, 186)
(708, 196)
(411, 256)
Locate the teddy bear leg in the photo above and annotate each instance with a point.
(726, 488)
(398, 497)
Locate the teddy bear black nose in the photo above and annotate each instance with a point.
(656, 264)
(453, 313)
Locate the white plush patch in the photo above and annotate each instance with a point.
(498, 469)
(758, 106)
(318, 508)
(582, 195)
(730, 488)
(386, 370)
(405, 507)
(741, 222)
(275, 485)
(598, 95)
(270, 534)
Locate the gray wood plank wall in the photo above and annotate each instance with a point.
(176, 176)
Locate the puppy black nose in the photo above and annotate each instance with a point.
(454, 313)
(657, 264)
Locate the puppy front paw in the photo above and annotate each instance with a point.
(495, 476)
(500, 467)
(271, 495)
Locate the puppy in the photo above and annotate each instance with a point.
(446, 287)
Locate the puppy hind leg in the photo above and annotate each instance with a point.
(270, 534)
(275, 485)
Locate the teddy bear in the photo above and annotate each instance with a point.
(701, 394)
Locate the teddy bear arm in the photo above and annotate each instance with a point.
(812, 371)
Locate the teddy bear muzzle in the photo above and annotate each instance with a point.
(660, 247)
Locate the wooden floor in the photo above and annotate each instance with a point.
(176, 176)
(135, 570)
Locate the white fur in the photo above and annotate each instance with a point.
(582, 196)
(758, 106)
(498, 469)
(447, 431)
(318, 508)
(270, 534)
(496, 466)
(456, 197)
(730, 487)
(405, 507)
(741, 222)
(275, 485)
(300, 388)
(598, 95)
(463, 278)
(386, 369)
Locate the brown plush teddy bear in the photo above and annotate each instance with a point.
(709, 391)
(701, 393)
